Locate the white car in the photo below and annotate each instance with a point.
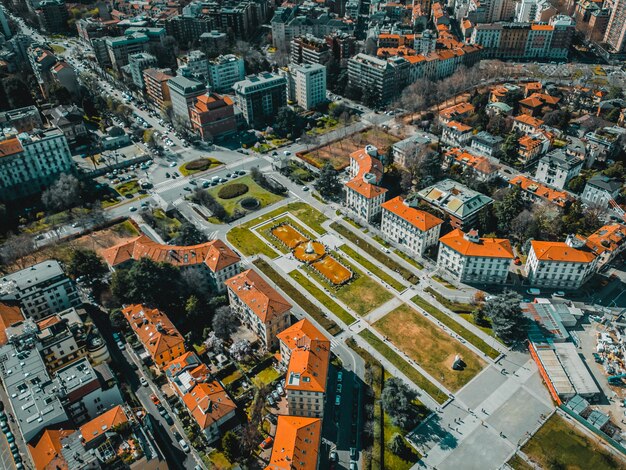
(184, 446)
(172, 165)
(143, 381)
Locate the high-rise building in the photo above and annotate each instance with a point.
(213, 116)
(157, 88)
(309, 50)
(616, 31)
(382, 79)
(4, 24)
(183, 94)
(309, 84)
(137, 63)
(194, 65)
(225, 71)
(260, 97)
(52, 16)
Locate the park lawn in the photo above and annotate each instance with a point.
(218, 461)
(455, 326)
(309, 216)
(298, 297)
(519, 463)
(325, 300)
(429, 346)
(375, 252)
(393, 461)
(558, 444)
(232, 377)
(58, 49)
(362, 294)
(129, 187)
(125, 229)
(254, 190)
(248, 243)
(397, 285)
(413, 374)
(408, 259)
(484, 328)
(265, 376)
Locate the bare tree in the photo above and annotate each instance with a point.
(63, 194)
(16, 249)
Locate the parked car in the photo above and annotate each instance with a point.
(143, 381)
(533, 291)
(267, 443)
(155, 399)
(333, 457)
(339, 376)
(184, 446)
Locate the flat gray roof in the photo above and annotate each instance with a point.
(576, 369)
(34, 275)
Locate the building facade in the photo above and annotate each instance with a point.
(557, 168)
(260, 97)
(225, 71)
(157, 87)
(213, 116)
(137, 63)
(183, 94)
(309, 84)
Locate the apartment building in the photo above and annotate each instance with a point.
(258, 306)
(157, 87)
(213, 259)
(478, 167)
(69, 120)
(607, 242)
(557, 168)
(194, 65)
(137, 63)
(297, 439)
(364, 195)
(461, 204)
(309, 49)
(225, 71)
(307, 84)
(183, 94)
(456, 134)
(41, 290)
(560, 265)
(22, 119)
(601, 190)
(467, 258)
(260, 97)
(532, 11)
(615, 35)
(156, 332)
(305, 353)
(527, 124)
(414, 230)
(213, 116)
(487, 144)
(30, 162)
(533, 191)
(457, 112)
(406, 147)
(538, 104)
(383, 78)
(117, 50)
(526, 40)
(204, 396)
(52, 16)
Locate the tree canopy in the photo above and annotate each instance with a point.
(507, 320)
(328, 183)
(86, 264)
(397, 399)
(63, 194)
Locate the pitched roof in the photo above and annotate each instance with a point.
(310, 354)
(208, 403)
(479, 163)
(46, 453)
(529, 120)
(296, 443)
(560, 198)
(215, 253)
(9, 314)
(367, 165)
(483, 247)
(607, 238)
(458, 126)
(154, 329)
(365, 189)
(103, 423)
(457, 109)
(10, 147)
(560, 251)
(420, 219)
(258, 295)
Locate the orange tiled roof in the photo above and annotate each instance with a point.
(48, 321)
(457, 109)
(607, 238)
(485, 248)
(541, 27)
(9, 314)
(154, 329)
(420, 219)
(103, 423)
(46, 453)
(478, 162)
(366, 164)
(258, 295)
(190, 363)
(296, 443)
(215, 253)
(539, 99)
(531, 121)
(310, 354)
(529, 142)
(560, 198)
(367, 190)
(10, 147)
(459, 126)
(205, 103)
(560, 251)
(208, 403)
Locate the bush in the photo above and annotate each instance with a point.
(200, 164)
(232, 190)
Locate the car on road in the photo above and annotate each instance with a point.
(353, 466)
(167, 175)
(533, 291)
(4, 427)
(559, 293)
(132, 209)
(305, 188)
(184, 446)
(206, 184)
(339, 376)
(155, 399)
(241, 172)
(267, 443)
(353, 453)
(172, 164)
(187, 188)
(10, 437)
(339, 388)
(143, 381)
(337, 400)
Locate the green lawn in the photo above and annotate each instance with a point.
(58, 49)
(414, 376)
(445, 283)
(299, 298)
(324, 299)
(456, 307)
(375, 252)
(408, 259)
(265, 376)
(254, 190)
(380, 240)
(434, 351)
(558, 444)
(300, 210)
(130, 187)
(397, 285)
(248, 243)
(362, 294)
(232, 377)
(455, 326)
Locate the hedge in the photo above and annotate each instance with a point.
(232, 190)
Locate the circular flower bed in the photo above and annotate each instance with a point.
(250, 203)
(232, 190)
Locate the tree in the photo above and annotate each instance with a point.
(63, 194)
(577, 184)
(17, 248)
(213, 343)
(508, 150)
(287, 123)
(507, 319)
(188, 234)
(118, 320)
(200, 196)
(423, 165)
(86, 264)
(397, 399)
(230, 446)
(521, 226)
(240, 350)
(397, 445)
(328, 183)
(479, 317)
(224, 323)
(508, 208)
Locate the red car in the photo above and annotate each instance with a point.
(517, 261)
(267, 443)
(155, 400)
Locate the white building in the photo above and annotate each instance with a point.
(42, 289)
(225, 71)
(194, 65)
(183, 94)
(566, 265)
(137, 63)
(364, 196)
(529, 11)
(456, 134)
(557, 168)
(600, 190)
(30, 162)
(309, 83)
(410, 228)
(465, 257)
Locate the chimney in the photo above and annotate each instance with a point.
(472, 236)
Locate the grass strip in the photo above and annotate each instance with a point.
(408, 259)
(413, 375)
(445, 283)
(326, 301)
(300, 210)
(397, 285)
(456, 307)
(375, 252)
(456, 327)
(248, 243)
(299, 298)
